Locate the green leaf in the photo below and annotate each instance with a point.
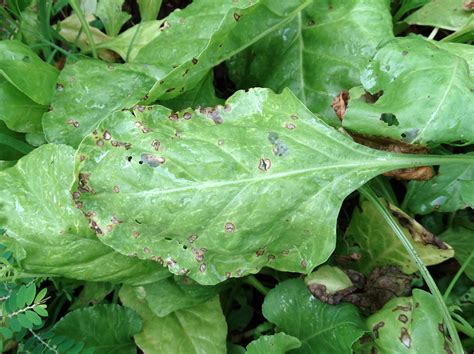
(56, 237)
(24, 321)
(378, 245)
(30, 294)
(5, 332)
(461, 237)
(426, 88)
(200, 329)
(406, 6)
(311, 56)
(91, 294)
(20, 66)
(172, 294)
(41, 295)
(236, 207)
(21, 297)
(33, 318)
(279, 343)
(452, 189)
(18, 111)
(333, 278)
(149, 9)
(86, 92)
(207, 32)
(409, 324)
(106, 328)
(41, 310)
(446, 14)
(320, 327)
(111, 14)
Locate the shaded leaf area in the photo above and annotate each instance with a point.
(181, 188)
(279, 343)
(428, 90)
(26, 87)
(461, 236)
(318, 54)
(107, 329)
(207, 32)
(450, 190)
(447, 14)
(200, 329)
(46, 231)
(86, 92)
(320, 327)
(409, 324)
(175, 293)
(111, 14)
(377, 245)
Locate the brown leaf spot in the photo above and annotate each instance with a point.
(304, 263)
(156, 144)
(290, 126)
(405, 337)
(377, 327)
(194, 61)
(260, 252)
(146, 250)
(236, 16)
(228, 275)
(468, 5)
(264, 164)
(339, 104)
(135, 234)
(403, 318)
(59, 87)
(116, 189)
(270, 257)
(229, 227)
(311, 23)
(173, 117)
(107, 135)
(192, 238)
(187, 116)
(202, 267)
(73, 123)
(100, 142)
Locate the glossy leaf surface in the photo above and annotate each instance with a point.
(279, 343)
(189, 194)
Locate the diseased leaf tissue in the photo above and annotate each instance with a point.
(182, 176)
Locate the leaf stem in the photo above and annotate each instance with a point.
(464, 329)
(253, 281)
(456, 277)
(372, 197)
(85, 26)
(433, 33)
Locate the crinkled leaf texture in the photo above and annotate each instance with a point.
(380, 246)
(108, 329)
(207, 32)
(200, 329)
(318, 54)
(428, 89)
(452, 189)
(222, 192)
(86, 92)
(279, 343)
(409, 325)
(45, 229)
(320, 327)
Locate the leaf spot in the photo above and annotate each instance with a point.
(229, 227)
(405, 337)
(264, 164)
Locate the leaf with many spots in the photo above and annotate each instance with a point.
(426, 88)
(409, 325)
(320, 327)
(200, 329)
(48, 234)
(189, 194)
(318, 54)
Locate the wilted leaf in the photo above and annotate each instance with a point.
(427, 89)
(409, 324)
(279, 343)
(192, 196)
(378, 245)
(37, 211)
(106, 328)
(88, 91)
(452, 189)
(200, 329)
(318, 54)
(321, 328)
(447, 14)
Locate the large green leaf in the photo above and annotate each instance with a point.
(379, 246)
(461, 237)
(222, 192)
(409, 325)
(427, 89)
(27, 72)
(320, 327)
(86, 92)
(108, 329)
(447, 14)
(465, 51)
(38, 213)
(200, 329)
(207, 32)
(319, 54)
(172, 294)
(450, 190)
(279, 343)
